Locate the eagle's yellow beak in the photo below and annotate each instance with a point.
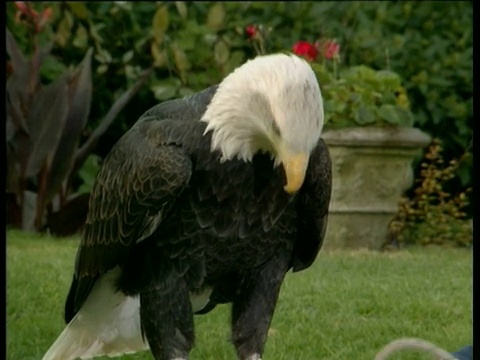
(295, 167)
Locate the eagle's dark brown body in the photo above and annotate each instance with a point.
(177, 221)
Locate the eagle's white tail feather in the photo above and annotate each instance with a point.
(107, 324)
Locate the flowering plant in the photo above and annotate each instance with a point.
(353, 96)
(357, 95)
(257, 34)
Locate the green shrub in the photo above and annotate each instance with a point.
(362, 96)
(433, 215)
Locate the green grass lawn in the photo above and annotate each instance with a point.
(347, 306)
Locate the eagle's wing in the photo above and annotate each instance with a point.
(138, 181)
(312, 211)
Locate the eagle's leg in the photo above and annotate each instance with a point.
(253, 309)
(167, 320)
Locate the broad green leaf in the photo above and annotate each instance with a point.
(102, 69)
(389, 79)
(221, 52)
(364, 115)
(94, 32)
(182, 9)
(160, 23)
(103, 56)
(64, 29)
(406, 116)
(360, 72)
(389, 113)
(334, 106)
(128, 56)
(159, 55)
(188, 42)
(81, 37)
(181, 61)
(395, 115)
(164, 92)
(185, 91)
(216, 16)
(79, 9)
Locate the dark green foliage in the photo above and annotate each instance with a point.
(193, 45)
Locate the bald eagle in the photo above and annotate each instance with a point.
(206, 200)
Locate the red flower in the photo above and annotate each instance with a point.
(330, 49)
(251, 31)
(305, 49)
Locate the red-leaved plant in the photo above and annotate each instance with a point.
(44, 128)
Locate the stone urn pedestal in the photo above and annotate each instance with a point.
(371, 168)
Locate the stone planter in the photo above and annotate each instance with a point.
(371, 168)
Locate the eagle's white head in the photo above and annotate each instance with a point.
(273, 104)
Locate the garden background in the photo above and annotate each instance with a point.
(127, 57)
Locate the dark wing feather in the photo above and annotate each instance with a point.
(139, 180)
(314, 199)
